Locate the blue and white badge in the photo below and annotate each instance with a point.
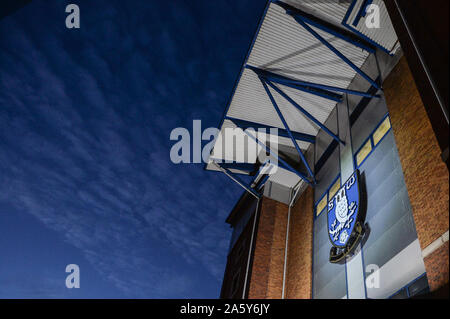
(343, 211)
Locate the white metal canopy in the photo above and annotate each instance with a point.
(286, 48)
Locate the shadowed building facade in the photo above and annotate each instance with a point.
(280, 246)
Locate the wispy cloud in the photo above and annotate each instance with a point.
(84, 143)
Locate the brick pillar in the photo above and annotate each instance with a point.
(426, 175)
(266, 278)
(299, 265)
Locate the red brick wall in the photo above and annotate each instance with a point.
(437, 267)
(299, 266)
(427, 181)
(426, 175)
(266, 277)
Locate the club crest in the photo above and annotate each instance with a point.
(343, 211)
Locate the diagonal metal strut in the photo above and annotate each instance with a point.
(305, 112)
(306, 86)
(280, 160)
(280, 115)
(336, 51)
(237, 180)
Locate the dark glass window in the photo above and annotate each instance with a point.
(401, 294)
(419, 287)
(416, 288)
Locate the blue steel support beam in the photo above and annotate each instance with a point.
(237, 180)
(315, 90)
(318, 92)
(362, 12)
(286, 126)
(337, 52)
(327, 27)
(280, 160)
(263, 182)
(307, 114)
(253, 182)
(265, 176)
(359, 33)
(281, 132)
(281, 79)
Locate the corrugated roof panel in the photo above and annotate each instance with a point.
(251, 103)
(384, 35)
(284, 47)
(331, 10)
(229, 147)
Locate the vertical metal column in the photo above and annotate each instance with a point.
(255, 219)
(356, 288)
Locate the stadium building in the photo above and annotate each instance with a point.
(351, 200)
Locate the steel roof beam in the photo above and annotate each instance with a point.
(362, 12)
(306, 113)
(317, 91)
(295, 84)
(336, 51)
(281, 132)
(356, 31)
(263, 182)
(327, 27)
(305, 87)
(280, 160)
(237, 180)
(257, 185)
(286, 126)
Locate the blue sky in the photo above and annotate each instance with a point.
(85, 119)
